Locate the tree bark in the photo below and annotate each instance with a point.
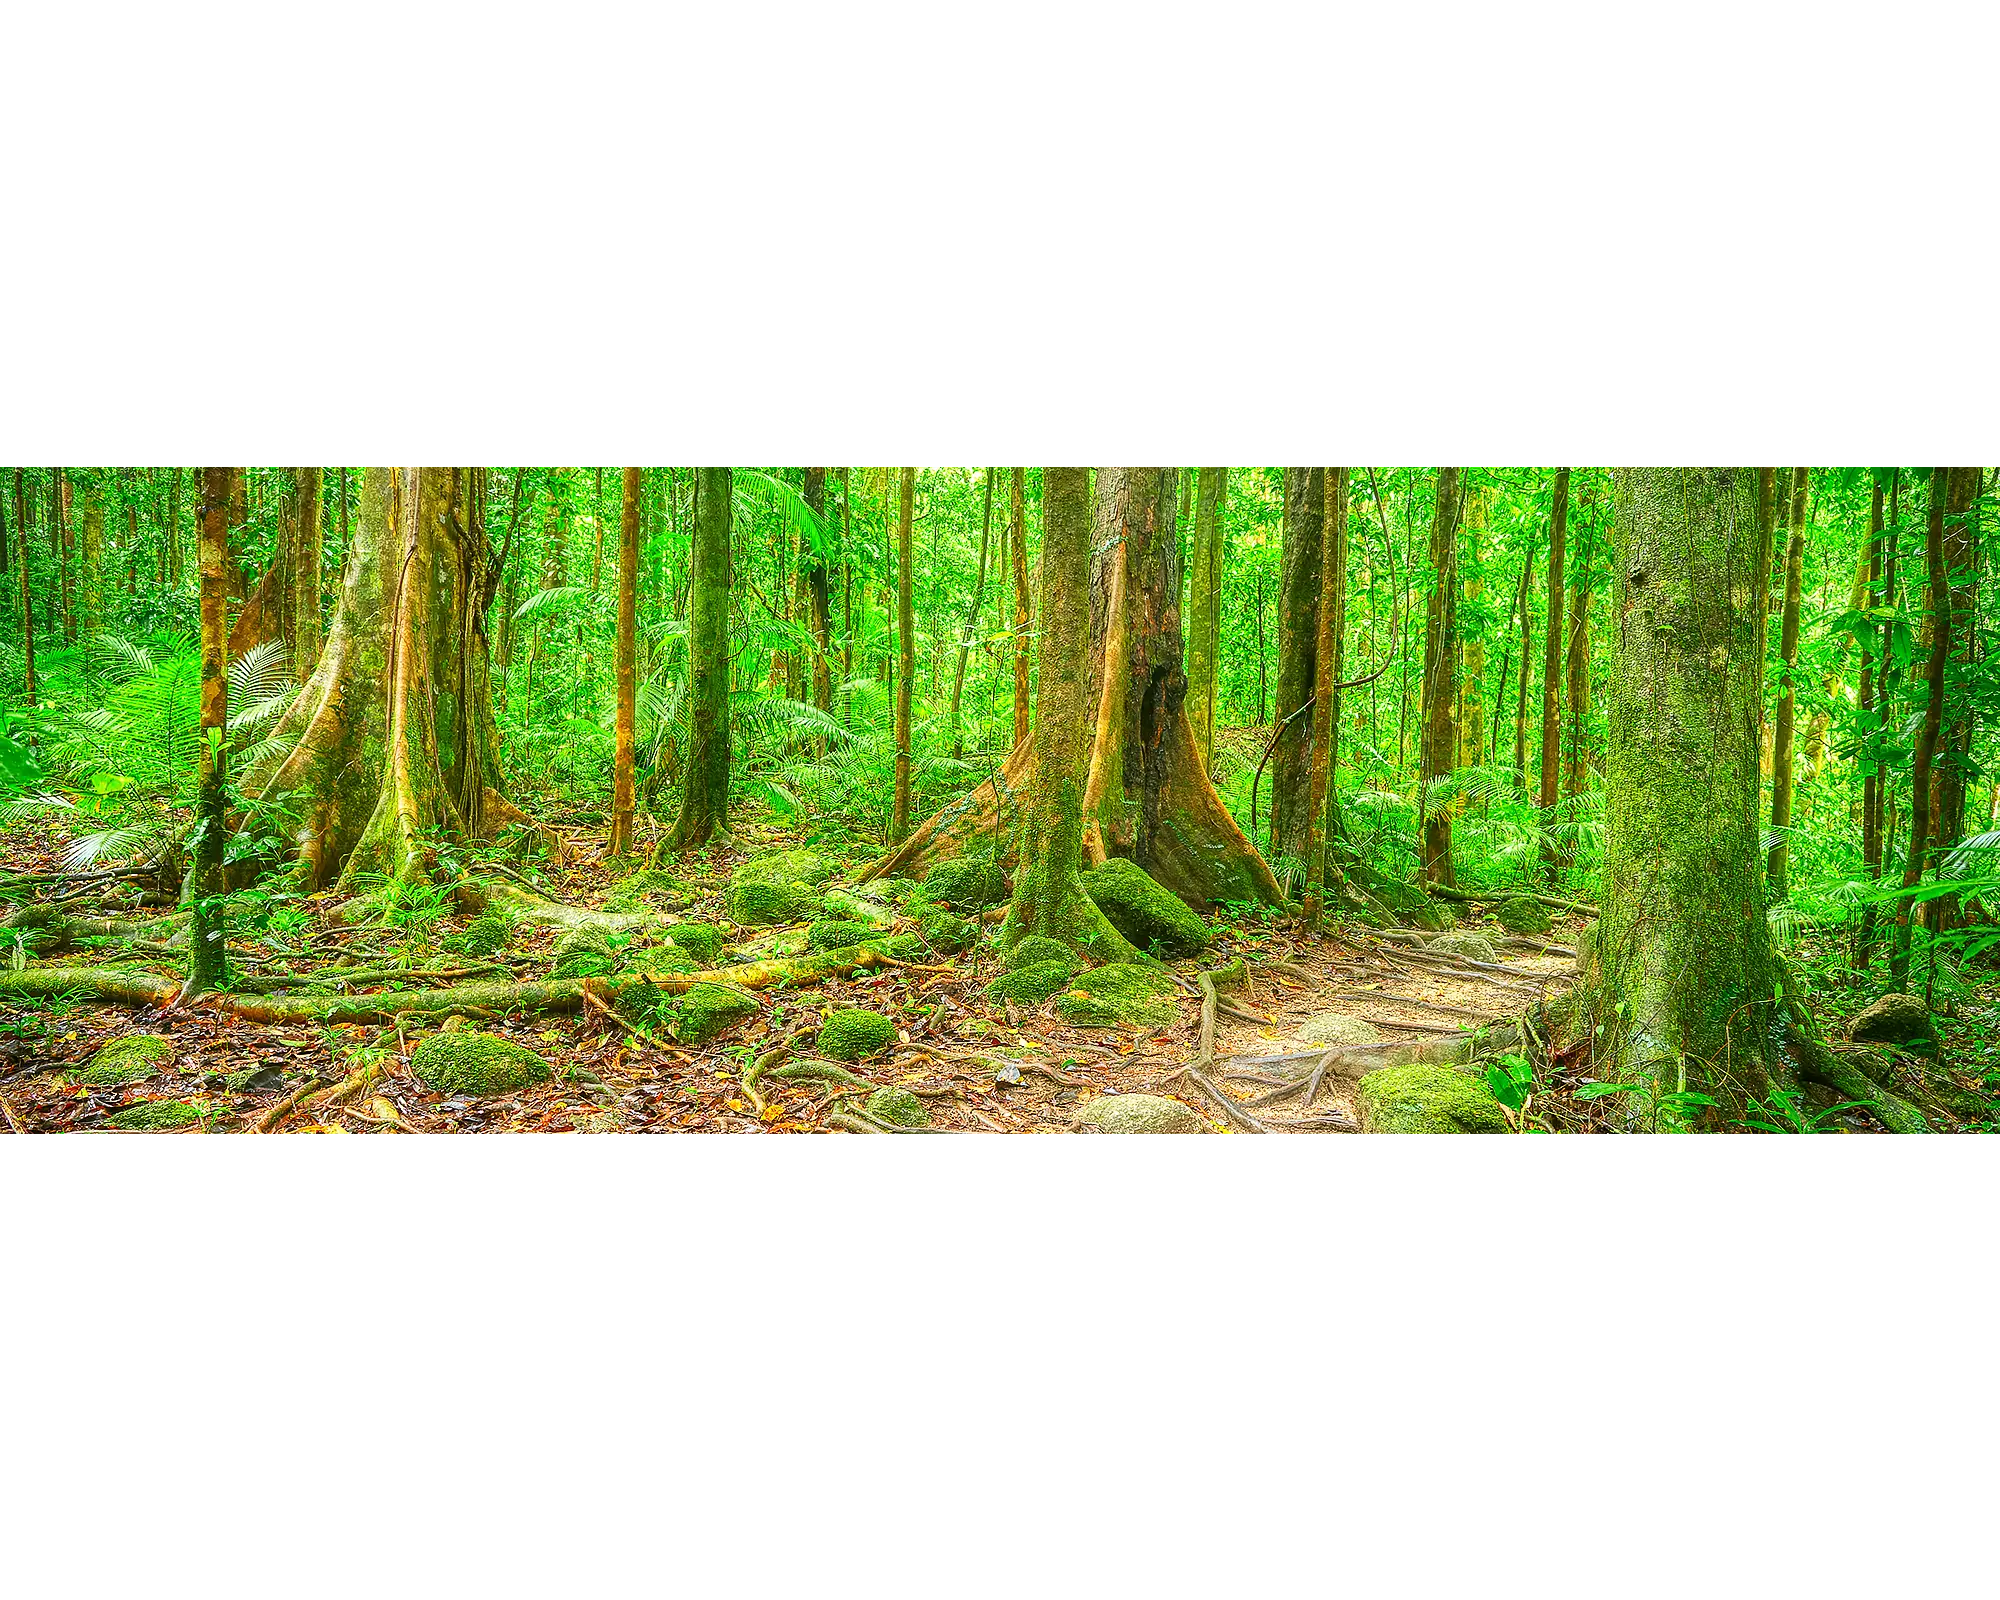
(1579, 684)
(1954, 758)
(1938, 602)
(971, 619)
(1552, 670)
(1440, 740)
(1298, 635)
(208, 964)
(1018, 536)
(1788, 656)
(906, 636)
(1871, 783)
(302, 512)
(1472, 645)
(1326, 688)
(27, 593)
(816, 595)
(1524, 599)
(1048, 887)
(1205, 609)
(628, 612)
(705, 779)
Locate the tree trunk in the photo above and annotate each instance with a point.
(66, 540)
(91, 581)
(972, 619)
(27, 593)
(1524, 599)
(1205, 609)
(1018, 536)
(1579, 687)
(1440, 740)
(1871, 783)
(906, 636)
(1938, 602)
(395, 737)
(628, 613)
(302, 513)
(1048, 887)
(1788, 657)
(1552, 670)
(1326, 688)
(1298, 636)
(208, 964)
(1472, 644)
(1680, 973)
(816, 595)
(1954, 757)
(705, 779)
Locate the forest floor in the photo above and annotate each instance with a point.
(977, 1064)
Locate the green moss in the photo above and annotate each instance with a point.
(702, 940)
(1427, 1098)
(1036, 948)
(947, 933)
(764, 905)
(464, 1062)
(898, 1107)
(662, 958)
(829, 935)
(851, 1034)
(135, 1057)
(156, 1116)
(585, 952)
(1385, 899)
(807, 867)
(645, 889)
(1152, 917)
(485, 935)
(899, 946)
(810, 1071)
(1036, 982)
(1120, 992)
(1523, 913)
(709, 1009)
(1465, 944)
(969, 882)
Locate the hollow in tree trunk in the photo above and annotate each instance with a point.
(207, 952)
(395, 744)
(705, 779)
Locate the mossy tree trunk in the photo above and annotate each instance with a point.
(1298, 641)
(1326, 688)
(301, 517)
(971, 619)
(628, 611)
(1551, 772)
(1871, 783)
(1471, 642)
(395, 738)
(705, 779)
(1048, 887)
(816, 594)
(1205, 609)
(1149, 796)
(1954, 755)
(207, 951)
(1017, 534)
(1680, 971)
(1440, 736)
(1788, 658)
(91, 581)
(1922, 822)
(27, 592)
(906, 647)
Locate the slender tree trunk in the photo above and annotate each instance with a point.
(628, 614)
(1440, 738)
(1048, 885)
(1788, 657)
(972, 618)
(208, 963)
(906, 634)
(1472, 645)
(1954, 757)
(1205, 609)
(1679, 978)
(303, 494)
(174, 526)
(27, 595)
(65, 539)
(1871, 783)
(1298, 634)
(1018, 537)
(1326, 688)
(1263, 682)
(1938, 601)
(705, 780)
(817, 598)
(1552, 670)
(1524, 600)
(1579, 690)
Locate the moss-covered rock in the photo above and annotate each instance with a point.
(1894, 1019)
(485, 935)
(1333, 1028)
(947, 933)
(1037, 947)
(156, 1116)
(1122, 991)
(1034, 983)
(806, 867)
(1465, 944)
(463, 1062)
(661, 959)
(585, 952)
(767, 905)
(643, 890)
(702, 940)
(1136, 1113)
(832, 935)
(898, 1107)
(813, 1071)
(709, 1009)
(1153, 918)
(851, 1034)
(967, 883)
(1428, 1098)
(900, 946)
(131, 1059)
(1523, 913)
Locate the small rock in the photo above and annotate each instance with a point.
(1464, 944)
(1523, 913)
(1334, 1028)
(1136, 1113)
